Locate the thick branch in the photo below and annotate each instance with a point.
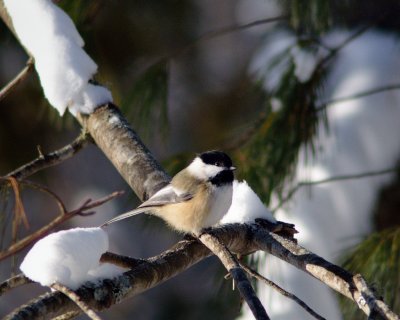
(237, 273)
(121, 144)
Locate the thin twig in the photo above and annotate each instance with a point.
(233, 28)
(361, 175)
(212, 35)
(233, 267)
(323, 105)
(334, 51)
(18, 79)
(282, 291)
(13, 282)
(77, 300)
(51, 159)
(23, 243)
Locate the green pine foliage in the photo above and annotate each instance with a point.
(272, 153)
(146, 103)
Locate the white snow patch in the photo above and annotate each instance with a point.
(246, 206)
(305, 63)
(276, 104)
(64, 68)
(70, 257)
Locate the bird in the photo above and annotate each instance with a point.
(196, 198)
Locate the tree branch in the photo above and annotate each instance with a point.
(123, 147)
(323, 105)
(282, 291)
(13, 282)
(17, 80)
(344, 177)
(82, 210)
(77, 300)
(51, 159)
(237, 273)
(375, 305)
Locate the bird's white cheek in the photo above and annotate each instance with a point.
(203, 171)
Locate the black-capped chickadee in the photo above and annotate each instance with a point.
(197, 197)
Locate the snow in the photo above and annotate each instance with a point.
(70, 257)
(304, 62)
(64, 68)
(246, 206)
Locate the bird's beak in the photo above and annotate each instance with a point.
(232, 168)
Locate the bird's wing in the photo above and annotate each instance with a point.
(167, 195)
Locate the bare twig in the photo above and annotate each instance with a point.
(18, 79)
(51, 159)
(323, 105)
(282, 291)
(16, 281)
(239, 276)
(334, 51)
(229, 29)
(81, 210)
(361, 175)
(76, 299)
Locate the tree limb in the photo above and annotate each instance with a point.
(13, 282)
(237, 273)
(282, 291)
(77, 300)
(124, 148)
(343, 177)
(62, 217)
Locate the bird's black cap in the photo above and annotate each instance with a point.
(217, 158)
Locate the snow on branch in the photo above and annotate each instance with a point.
(64, 68)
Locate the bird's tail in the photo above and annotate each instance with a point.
(125, 215)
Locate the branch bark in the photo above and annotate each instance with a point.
(121, 144)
